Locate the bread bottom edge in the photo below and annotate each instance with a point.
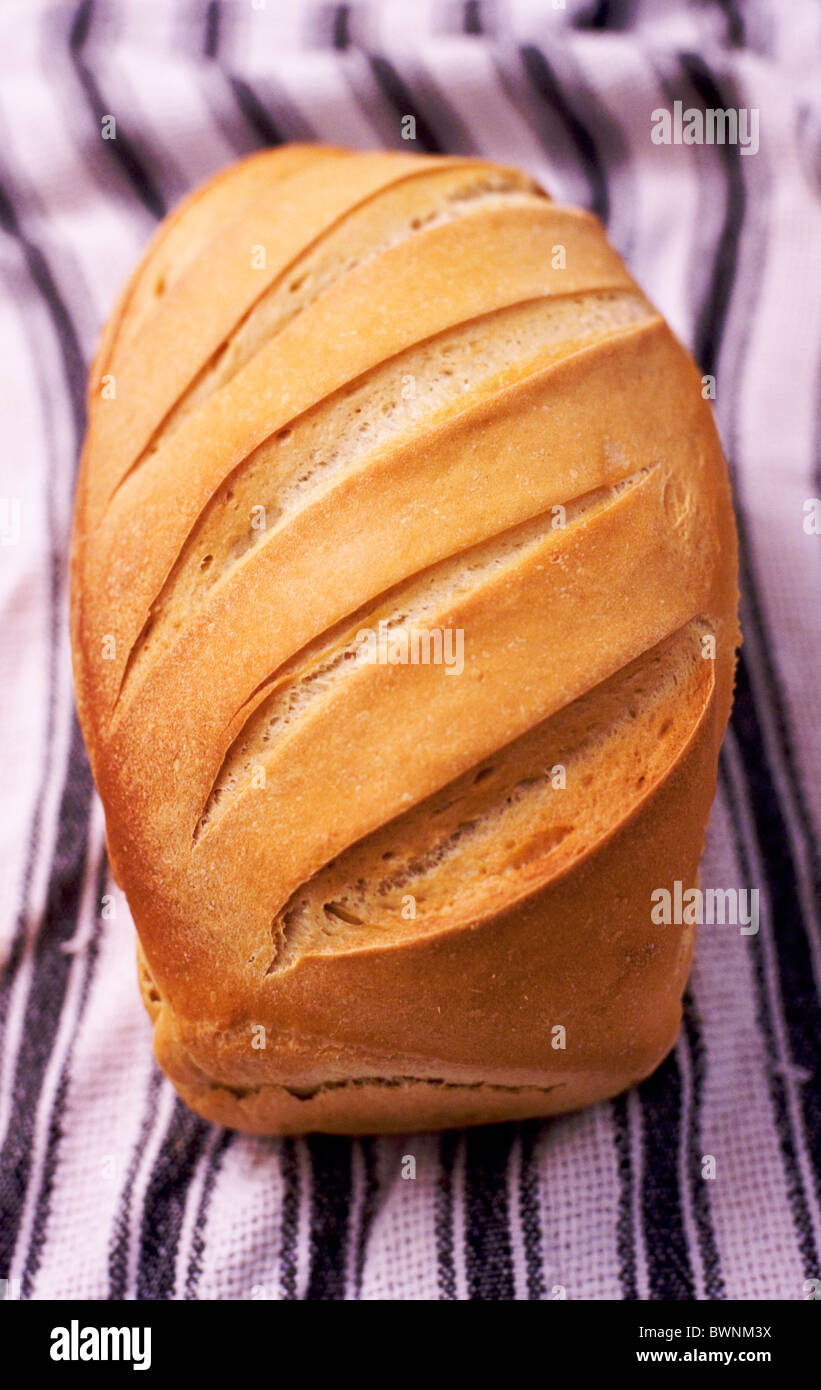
(401, 1104)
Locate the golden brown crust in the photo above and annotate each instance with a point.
(566, 397)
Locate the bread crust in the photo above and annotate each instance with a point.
(478, 1003)
(447, 513)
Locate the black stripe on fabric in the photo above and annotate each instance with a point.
(800, 1003)
(121, 1233)
(796, 1193)
(213, 19)
(794, 933)
(472, 17)
(443, 1214)
(355, 70)
(709, 332)
(73, 369)
(370, 1202)
(596, 15)
(669, 1273)
(51, 969)
(671, 1278)
(529, 1215)
(453, 134)
(625, 1233)
(254, 113)
(123, 150)
(790, 932)
(14, 957)
(402, 101)
(256, 116)
(341, 30)
(709, 335)
(331, 1190)
(712, 315)
(602, 15)
(543, 81)
(55, 1132)
(699, 1189)
(488, 1249)
(78, 773)
(735, 22)
(288, 120)
(70, 352)
(165, 1198)
(289, 1223)
(220, 99)
(51, 966)
(195, 1262)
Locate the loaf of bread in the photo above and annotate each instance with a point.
(404, 628)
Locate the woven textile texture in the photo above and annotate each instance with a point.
(109, 1187)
